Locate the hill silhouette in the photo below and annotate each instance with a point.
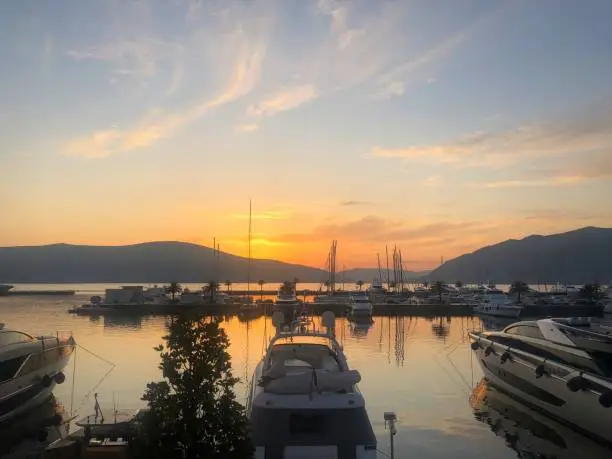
(152, 262)
(577, 257)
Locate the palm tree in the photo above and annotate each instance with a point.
(518, 287)
(327, 285)
(438, 288)
(228, 284)
(359, 284)
(173, 289)
(591, 292)
(392, 285)
(261, 284)
(211, 289)
(458, 284)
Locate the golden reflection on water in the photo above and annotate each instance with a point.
(421, 368)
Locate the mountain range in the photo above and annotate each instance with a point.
(152, 262)
(576, 257)
(580, 256)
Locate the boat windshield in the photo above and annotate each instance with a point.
(14, 337)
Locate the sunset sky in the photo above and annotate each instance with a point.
(440, 126)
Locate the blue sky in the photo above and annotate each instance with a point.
(437, 125)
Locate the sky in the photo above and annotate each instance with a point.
(438, 126)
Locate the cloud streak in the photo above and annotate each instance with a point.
(586, 132)
(248, 54)
(285, 99)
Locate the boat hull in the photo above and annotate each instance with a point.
(25, 392)
(518, 376)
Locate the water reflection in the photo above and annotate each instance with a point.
(360, 328)
(495, 323)
(440, 327)
(34, 429)
(123, 321)
(528, 432)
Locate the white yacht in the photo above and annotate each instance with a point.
(303, 400)
(287, 303)
(498, 310)
(495, 303)
(560, 366)
(29, 369)
(360, 306)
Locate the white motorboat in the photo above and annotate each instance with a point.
(303, 400)
(495, 303)
(287, 303)
(560, 366)
(29, 369)
(498, 310)
(360, 306)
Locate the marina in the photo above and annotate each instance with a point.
(421, 368)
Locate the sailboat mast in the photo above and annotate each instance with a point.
(249, 262)
(379, 272)
(387, 252)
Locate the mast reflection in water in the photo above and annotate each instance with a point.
(530, 433)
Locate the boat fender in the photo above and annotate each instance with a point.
(540, 370)
(475, 345)
(60, 378)
(489, 350)
(505, 357)
(576, 383)
(46, 381)
(605, 399)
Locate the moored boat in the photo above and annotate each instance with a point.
(29, 369)
(560, 366)
(303, 399)
(360, 307)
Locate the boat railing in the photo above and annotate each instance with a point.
(543, 366)
(335, 346)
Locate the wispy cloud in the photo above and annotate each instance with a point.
(246, 127)
(356, 203)
(393, 83)
(247, 52)
(433, 181)
(141, 58)
(269, 214)
(583, 132)
(285, 99)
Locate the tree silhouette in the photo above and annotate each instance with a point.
(458, 284)
(193, 412)
(359, 284)
(327, 285)
(228, 284)
(518, 287)
(438, 288)
(173, 289)
(591, 292)
(261, 284)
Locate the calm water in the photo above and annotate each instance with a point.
(420, 368)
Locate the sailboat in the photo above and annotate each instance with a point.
(249, 309)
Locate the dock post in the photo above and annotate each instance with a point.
(390, 419)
